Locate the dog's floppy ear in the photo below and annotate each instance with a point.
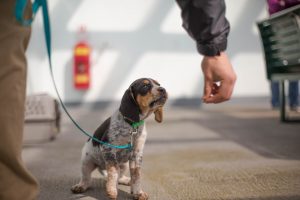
(159, 114)
(129, 107)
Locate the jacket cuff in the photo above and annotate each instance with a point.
(211, 49)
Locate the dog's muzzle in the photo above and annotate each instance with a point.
(161, 98)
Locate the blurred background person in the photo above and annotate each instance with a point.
(293, 87)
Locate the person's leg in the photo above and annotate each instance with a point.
(15, 181)
(275, 94)
(293, 94)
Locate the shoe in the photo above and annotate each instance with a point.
(295, 109)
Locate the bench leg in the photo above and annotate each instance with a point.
(282, 101)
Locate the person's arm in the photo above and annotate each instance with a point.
(205, 22)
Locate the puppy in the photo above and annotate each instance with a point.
(124, 127)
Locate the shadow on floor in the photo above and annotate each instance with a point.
(263, 135)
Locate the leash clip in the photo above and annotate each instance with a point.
(133, 133)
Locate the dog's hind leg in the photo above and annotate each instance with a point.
(124, 180)
(87, 168)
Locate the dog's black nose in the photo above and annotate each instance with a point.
(161, 90)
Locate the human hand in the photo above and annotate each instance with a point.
(217, 69)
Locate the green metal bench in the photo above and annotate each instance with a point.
(280, 36)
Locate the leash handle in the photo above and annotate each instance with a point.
(19, 12)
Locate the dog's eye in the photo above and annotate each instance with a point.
(146, 86)
(145, 89)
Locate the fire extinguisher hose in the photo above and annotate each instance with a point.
(19, 9)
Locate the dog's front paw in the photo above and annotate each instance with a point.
(112, 193)
(78, 188)
(141, 196)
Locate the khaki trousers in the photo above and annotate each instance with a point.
(16, 183)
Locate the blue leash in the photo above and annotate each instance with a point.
(19, 13)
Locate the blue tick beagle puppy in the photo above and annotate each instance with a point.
(125, 126)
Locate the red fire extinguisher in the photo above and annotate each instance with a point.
(82, 65)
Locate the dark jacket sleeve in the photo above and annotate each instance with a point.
(205, 22)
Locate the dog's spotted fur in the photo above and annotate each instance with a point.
(143, 97)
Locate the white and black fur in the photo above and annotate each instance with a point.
(143, 97)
